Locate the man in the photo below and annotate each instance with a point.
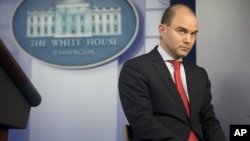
(150, 98)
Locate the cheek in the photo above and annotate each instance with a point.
(170, 37)
(193, 41)
(175, 37)
(174, 42)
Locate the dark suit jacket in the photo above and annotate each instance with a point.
(154, 108)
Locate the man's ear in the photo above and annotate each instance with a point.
(162, 29)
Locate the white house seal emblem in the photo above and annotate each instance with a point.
(75, 33)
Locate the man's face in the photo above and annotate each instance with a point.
(178, 38)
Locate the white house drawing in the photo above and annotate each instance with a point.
(74, 18)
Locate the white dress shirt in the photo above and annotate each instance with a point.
(165, 56)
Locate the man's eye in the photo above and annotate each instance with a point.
(181, 31)
(194, 34)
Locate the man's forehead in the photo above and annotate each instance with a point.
(185, 21)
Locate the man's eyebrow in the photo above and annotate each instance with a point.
(182, 28)
(186, 30)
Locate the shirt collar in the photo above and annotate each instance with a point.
(165, 56)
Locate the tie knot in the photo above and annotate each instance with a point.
(176, 64)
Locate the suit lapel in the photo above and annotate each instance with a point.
(164, 73)
(190, 87)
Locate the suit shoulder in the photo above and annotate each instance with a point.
(141, 59)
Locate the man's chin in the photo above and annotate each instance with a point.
(183, 55)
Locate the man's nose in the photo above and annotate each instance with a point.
(187, 38)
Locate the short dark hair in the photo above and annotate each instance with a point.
(169, 13)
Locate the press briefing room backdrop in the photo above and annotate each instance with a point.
(75, 68)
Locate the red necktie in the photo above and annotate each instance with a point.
(183, 95)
